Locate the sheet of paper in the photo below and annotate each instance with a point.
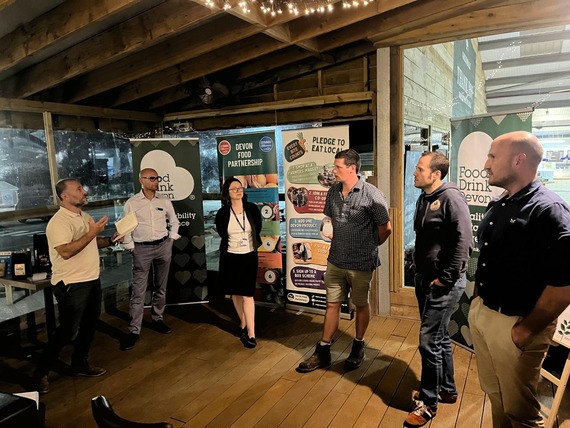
(32, 395)
(126, 225)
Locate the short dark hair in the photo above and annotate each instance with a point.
(226, 200)
(61, 185)
(350, 156)
(439, 162)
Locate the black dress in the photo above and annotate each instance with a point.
(238, 272)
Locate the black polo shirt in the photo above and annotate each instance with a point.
(524, 243)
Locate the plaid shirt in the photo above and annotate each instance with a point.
(355, 223)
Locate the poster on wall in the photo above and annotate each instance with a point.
(464, 77)
(308, 167)
(177, 162)
(252, 159)
(471, 139)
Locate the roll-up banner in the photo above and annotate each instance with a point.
(252, 159)
(471, 139)
(177, 162)
(308, 167)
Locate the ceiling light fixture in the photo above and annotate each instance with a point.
(277, 7)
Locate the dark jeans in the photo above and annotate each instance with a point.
(79, 307)
(436, 305)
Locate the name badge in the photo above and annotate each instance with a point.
(244, 242)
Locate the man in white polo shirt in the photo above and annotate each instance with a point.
(73, 247)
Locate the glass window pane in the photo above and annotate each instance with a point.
(102, 161)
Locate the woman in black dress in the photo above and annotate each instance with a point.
(238, 223)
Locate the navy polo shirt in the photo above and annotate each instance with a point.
(524, 243)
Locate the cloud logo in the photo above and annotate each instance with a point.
(176, 183)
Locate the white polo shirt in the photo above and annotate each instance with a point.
(64, 227)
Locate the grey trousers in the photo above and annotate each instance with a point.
(145, 257)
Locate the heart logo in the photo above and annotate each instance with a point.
(181, 243)
(200, 275)
(181, 259)
(199, 258)
(183, 276)
(201, 292)
(198, 241)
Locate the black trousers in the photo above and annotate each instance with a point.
(79, 307)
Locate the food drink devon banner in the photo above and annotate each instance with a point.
(177, 162)
(308, 166)
(471, 139)
(252, 159)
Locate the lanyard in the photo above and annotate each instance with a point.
(237, 219)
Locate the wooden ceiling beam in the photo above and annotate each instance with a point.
(309, 65)
(402, 20)
(227, 56)
(156, 25)
(5, 3)
(521, 40)
(306, 28)
(10, 104)
(298, 68)
(163, 56)
(60, 23)
(495, 20)
(274, 105)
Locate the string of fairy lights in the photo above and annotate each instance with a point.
(295, 7)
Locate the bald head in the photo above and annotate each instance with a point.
(521, 142)
(513, 160)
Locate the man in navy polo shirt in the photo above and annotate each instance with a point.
(522, 280)
(359, 215)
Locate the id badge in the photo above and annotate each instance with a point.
(244, 242)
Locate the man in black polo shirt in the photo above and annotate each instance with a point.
(359, 216)
(522, 280)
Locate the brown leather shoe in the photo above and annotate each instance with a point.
(420, 415)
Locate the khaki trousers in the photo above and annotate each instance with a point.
(508, 375)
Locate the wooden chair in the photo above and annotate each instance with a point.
(106, 417)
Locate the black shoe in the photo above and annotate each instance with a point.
(248, 342)
(356, 356)
(129, 342)
(239, 332)
(161, 327)
(88, 371)
(321, 358)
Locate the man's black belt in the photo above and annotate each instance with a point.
(158, 241)
(503, 310)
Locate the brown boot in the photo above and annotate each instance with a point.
(321, 358)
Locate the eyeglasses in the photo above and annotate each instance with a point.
(150, 178)
(237, 189)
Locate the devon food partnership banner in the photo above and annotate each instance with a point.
(252, 159)
(471, 139)
(308, 166)
(177, 162)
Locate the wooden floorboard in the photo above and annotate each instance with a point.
(202, 376)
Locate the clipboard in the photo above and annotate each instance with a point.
(126, 225)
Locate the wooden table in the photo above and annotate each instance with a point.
(28, 284)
